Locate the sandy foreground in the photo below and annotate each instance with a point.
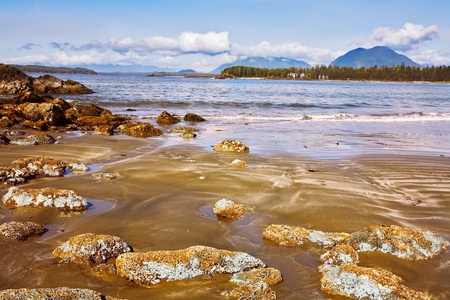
(163, 199)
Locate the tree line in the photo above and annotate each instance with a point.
(375, 73)
(53, 70)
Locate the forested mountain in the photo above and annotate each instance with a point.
(53, 70)
(376, 56)
(263, 62)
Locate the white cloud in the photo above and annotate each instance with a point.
(408, 37)
(430, 57)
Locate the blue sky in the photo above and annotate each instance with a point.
(202, 34)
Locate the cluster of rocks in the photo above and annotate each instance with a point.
(340, 273)
(14, 81)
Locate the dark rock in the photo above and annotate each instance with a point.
(190, 117)
(139, 130)
(20, 230)
(4, 140)
(50, 113)
(39, 125)
(48, 84)
(166, 119)
(42, 138)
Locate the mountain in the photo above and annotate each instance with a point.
(380, 56)
(263, 62)
(124, 69)
(187, 71)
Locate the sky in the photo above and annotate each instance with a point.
(203, 34)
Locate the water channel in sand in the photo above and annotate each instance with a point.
(160, 202)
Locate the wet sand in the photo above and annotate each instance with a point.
(163, 200)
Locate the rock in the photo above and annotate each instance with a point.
(51, 114)
(24, 142)
(30, 97)
(13, 81)
(254, 284)
(180, 129)
(350, 280)
(13, 132)
(290, 236)
(41, 166)
(198, 261)
(231, 146)
(43, 138)
(166, 119)
(107, 272)
(39, 125)
(20, 230)
(13, 176)
(225, 76)
(104, 130)
(238, 163)
(44, 198)
(90, 248)
(78, 167)
(190, 117)
(399, 241)
(141, 130)
(4, 140)
(188, 135)
(104, 176)
(228, 209)
(61, 293)
(48, 84)
(340, 254)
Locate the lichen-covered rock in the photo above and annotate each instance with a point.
(190, 117)
(104, 130)
(290, 236)
(61, 293)
(238, 163)
(340, 254)
(194, 262)
(141, 130)
(181, 129)
(78, 167)
(42, 166)
(231, 146)
(399, 241)
(228, 209)
(14, 176)
(43, 138)
(20, 230)
(104, 176)
(350, 280)
(24, 142)
(44, 198)
(254, 284)
(166, 119)
(90, 248)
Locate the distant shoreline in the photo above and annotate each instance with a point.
(53, 70)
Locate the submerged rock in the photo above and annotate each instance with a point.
(140, 130)
(231, 146)
(104, 176)
(228, 209)
(78, 167)
(188, 135)
(90, 248)
(238, 163)
(254, 284)
(43, 138)
(350, 280)
(166, 119)
(399, 241)
(290, 236)
(24, 142)
(20, 230)
(44, 198)
(181, 129)
(190, 117)
(41, 166)
(194, 262)
(61, 293)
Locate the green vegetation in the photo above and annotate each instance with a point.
(375, 73)
(54, 70)
(181, 74)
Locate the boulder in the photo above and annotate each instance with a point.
(51, 114)
(231, 146)
(254, 284)
(290, 236)
(194, 262)
(41, 166)
(13, 81)
(228, 209)
(188, 135)
(104, 130)
(24, 142)
(48, 84)
(90, 248)
(14, 176)
(39, 125)
(78, 167)
(44, 198)
(61, 293)
(43, 138)
(238, 163)
(166, 119)
(20, 230)
(140, 130)
(190, 117)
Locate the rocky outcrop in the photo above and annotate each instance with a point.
(90, 248)
(166, 119)
(231, 146)
(61, 293)
(238, 163)
(13, 81)
(190, 117)
(41, 166)
(230, 210)
(44, 198)
(290, 236)
(140, 130)
(20, 230)
(198, 261)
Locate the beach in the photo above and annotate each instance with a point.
(165, 192)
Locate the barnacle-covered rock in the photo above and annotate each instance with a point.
(238, 163)
(90, 248)
(198, 261)
(104, 130)
(231, 146)
(228, 209)
(290, 236)
(166, 119)
(78, 167)
(139, 130)
(14, 176)
(180, 129)
(42, 166)
(340, 254)
(20, 230)
(61, 293)
(190, 117)
(104, 176)
(44, 198)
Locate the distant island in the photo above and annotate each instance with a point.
(263, 62)
(53, 70)
(181, 74)
(400, 73)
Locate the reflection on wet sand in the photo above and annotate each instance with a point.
(160, 203)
